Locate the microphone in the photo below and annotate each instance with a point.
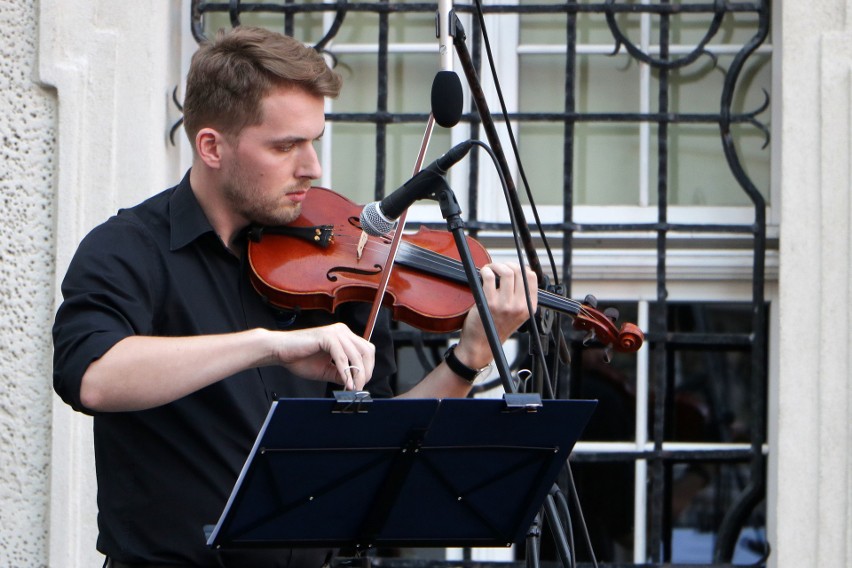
(379, 217)
(447, 98)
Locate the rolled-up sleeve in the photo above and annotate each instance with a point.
(108, 294)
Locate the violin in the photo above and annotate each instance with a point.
(319, 262)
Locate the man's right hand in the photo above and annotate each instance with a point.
(330, 353)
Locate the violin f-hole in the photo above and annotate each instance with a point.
(377, 269)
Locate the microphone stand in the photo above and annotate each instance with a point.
(451, 211)
(455, 225)
(452, 214)
(487, 122)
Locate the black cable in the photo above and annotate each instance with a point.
(486, 42)
(562, 503)
(533, 329)
(575, 498)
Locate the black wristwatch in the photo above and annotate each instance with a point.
(459, 368)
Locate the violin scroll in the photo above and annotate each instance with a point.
(601, 327)
(630, 338)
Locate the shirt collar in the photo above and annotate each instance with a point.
(187, 219)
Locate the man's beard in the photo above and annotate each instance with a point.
(246, 199)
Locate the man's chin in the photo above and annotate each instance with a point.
(278, 218)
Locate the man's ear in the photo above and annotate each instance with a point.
(208, 146)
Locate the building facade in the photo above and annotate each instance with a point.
(86, 104)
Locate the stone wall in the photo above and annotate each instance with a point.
(27, 222)
(108, 70)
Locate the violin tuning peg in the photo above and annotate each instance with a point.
(590, 300)
(612, 314)
(607, 354)
(589, 338)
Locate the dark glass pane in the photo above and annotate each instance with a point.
(710, 380)
(701, 494)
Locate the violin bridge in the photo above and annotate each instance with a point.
(362, 242)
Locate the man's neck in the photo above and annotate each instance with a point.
(224, 221)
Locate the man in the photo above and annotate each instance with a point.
(163, 340)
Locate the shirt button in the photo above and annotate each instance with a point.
(274, 395)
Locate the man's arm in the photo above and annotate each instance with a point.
(508, 305)
(141, 372)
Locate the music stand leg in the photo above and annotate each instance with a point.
(533, 559)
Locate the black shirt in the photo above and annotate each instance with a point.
(159, 269)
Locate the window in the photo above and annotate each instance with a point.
(643, 129)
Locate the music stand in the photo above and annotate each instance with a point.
(422, 472)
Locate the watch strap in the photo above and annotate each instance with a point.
(467, 373)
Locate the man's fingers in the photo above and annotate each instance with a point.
(354, 358)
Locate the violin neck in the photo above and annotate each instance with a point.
(451, 269)
(558, 303)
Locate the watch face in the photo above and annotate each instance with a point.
(483, 372)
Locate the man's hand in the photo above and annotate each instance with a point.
(331, 353)
(508, 304)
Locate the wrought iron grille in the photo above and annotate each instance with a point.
(667, 334)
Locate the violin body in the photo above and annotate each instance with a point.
(291, 270)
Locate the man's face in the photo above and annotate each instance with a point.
(270, 166)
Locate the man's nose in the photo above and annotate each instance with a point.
(309, 164)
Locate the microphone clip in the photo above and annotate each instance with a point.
(452, 24)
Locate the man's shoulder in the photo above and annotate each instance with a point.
(153, 210)
(145, 222)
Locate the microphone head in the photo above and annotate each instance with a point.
(373, 221)
(447, 99)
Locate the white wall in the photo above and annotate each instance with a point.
(811, 469)
(84, 107)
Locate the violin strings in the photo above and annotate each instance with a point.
(456, 269)
(433, 262)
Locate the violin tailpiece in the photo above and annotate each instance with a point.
(322, 235)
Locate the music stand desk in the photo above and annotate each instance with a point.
(399, 473)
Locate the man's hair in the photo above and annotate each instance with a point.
(229, 77)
